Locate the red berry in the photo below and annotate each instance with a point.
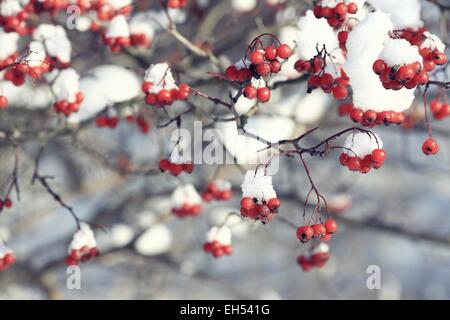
(378, 156)
(231, 73)
(343, 36)
(3, 102)
(356, 115)
(250, 91)
(305, 233)
(343, 158)
(405, 73)
(379, 66)
(436, 106)
(7, 203)
(326, 81)
(263, 94)
(247, 203)
(340, 9)
(369, 118)
(284, 51)
(263, 69)
(275, 66)
(331, 226)
(164, 96)
(256, 57)
(430, 146)
(302, 66)
(317, 12)
(175, 169)
(353, 163)
(273, 204)
(340, 92)
(319, 230)
(270, 53)
(313, 82)
(188, 167)
(440, 58)
(352, 8)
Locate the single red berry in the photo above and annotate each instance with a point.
(343, 158)
(436, 106)
(353, 163)
(430, 146)
(146, 85)
(231, 73)
(340, 9)
(188, 167)
(405, 73)
(340, 92)
(250, 91)
(378, 156)
(227, 250)
(326, 81)
(305, 233)
(369, 118)
(164, 96)
(345, 108)
(356, 115)
(273, 204)
(284, 51)
(317, 12)
(270, 53)
(352, 8)
(331, 226)
(263, 94)
(247, 203)
(319, 230)
(256, 57)
(440, 58)
(343, 36)
(275, 66)
(379, 66)
(263, 69)
(3, 102)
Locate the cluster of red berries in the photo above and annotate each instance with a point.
(83, 254)
(430, 147)
(414, 37)
(316, 258)
(370, 118)
(432, 57)
(396, 77)
(261, 93)
(439, 109)
(216, 192)
(265, 211)
(188, 210)
(105, 121)
(335, 16)
(5, 203)
(16, 23)
(216, 249)
(263, 62)
(165, 96)
(67, 108)
(116, 44)
(175, 168)
(176, 4)
(8, 259)
(18, 72)
(320, 79)
(51, 6)
(3, 102)
(320, 231)
(363, 165)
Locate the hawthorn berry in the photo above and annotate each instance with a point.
(305, 233)
(319, 230)
(273, 204)
(340, 92)
(430, 146)
(270, 53)
(330, 226)
(353, 164)
(3, 102)
(378, 156)
(250, 91)
(263, 69)
(284, 51)
(263, 94)
(405, 73)
(256, 57)
(379, 66)
(247, 203)
(352, 8)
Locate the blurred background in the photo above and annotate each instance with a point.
(396, 218)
